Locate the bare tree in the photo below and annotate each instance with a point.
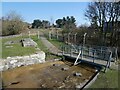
(12, 24)
(104, 16)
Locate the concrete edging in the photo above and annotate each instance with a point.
(91, 81)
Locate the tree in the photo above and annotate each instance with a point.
(66, 23)
(36, 23)
(59, 23)
(102, 14)
(40, 24)
(45, 24)
(12, 24)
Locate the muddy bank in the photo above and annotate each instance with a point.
(58, 74)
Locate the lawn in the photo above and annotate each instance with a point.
(16, 49)
(106, 80)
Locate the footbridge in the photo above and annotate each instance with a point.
(97, 55)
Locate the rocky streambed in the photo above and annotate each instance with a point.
(57, 74)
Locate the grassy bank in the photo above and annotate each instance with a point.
(106, 80)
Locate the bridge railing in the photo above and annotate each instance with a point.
(87, 52)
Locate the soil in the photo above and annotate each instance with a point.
(47, 75)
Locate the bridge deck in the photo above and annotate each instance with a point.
(89, 59)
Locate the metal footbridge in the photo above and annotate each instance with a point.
(98, 55)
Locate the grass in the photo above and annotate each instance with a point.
(56, 43)
(106, 80)
(49, 56)
(17, 49)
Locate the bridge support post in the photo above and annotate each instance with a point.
(71, 51)
(93, 56)
(62, 50)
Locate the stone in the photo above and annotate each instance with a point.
(77, 74)
(28, 42)
(13, 61)
(14, 82)
(18, 61)
(78, 86)
(57, 65)
(8, 46)
(1, 68)
(96, 70)
(9, 43)
(8, 57)
(65, 68)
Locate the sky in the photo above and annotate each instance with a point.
(50, 11)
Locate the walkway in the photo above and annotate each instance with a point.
(49, 45)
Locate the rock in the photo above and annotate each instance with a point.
(57, 65)
(96, 70)
(67, 78)
(28, 42)
(8, 46)
(9, 58)
(65, 68)
(13, 61)
(18, 61)
(14, 82)
(78, 86)
(9, 43)
(1, 68)
(62, 86)
(77, 74)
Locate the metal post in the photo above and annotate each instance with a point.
(29, 34)
(93, 56)
(84, 38)
(38, 34)
(71, 51)
(68, 38)
(57, 34)
(81, 52)
(62, 50)
(116, 54)
(75, 38)
(110, 59)
(49, 34)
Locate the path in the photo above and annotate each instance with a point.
(49, 45)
